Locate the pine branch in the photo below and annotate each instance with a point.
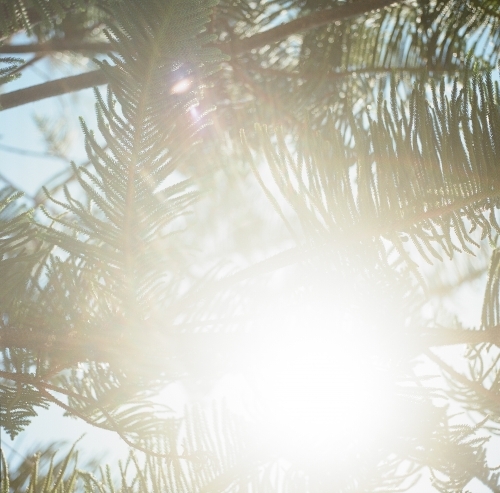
(306, 23)
(56, 46)
(233, 48)
(475, 386)
(44, 387)
(107, 349)
(73, 346)
(52, 88)
(450, 337)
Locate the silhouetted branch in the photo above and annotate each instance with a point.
(306, 23)
(449, 337)
(52, 88)
(233, 48)
(57, 45)
(112, 425)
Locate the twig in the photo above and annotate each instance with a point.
(113, 425)
(306, 23)
(52, 88)
(57, 46)
(27, 64)
(26, 152)
(475, 386)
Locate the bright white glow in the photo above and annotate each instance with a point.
(181, 86)
(316, 378)
(320, 388)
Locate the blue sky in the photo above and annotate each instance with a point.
(19, 130)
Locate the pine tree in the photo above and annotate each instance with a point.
(271, 187)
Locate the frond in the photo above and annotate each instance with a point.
(214, 450)
(321, 76)
(8, 73)
(40, 16)
(424, 173)
(111, 262)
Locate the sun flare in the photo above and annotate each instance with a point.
(317, 377)
(181, 86)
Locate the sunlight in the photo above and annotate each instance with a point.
(322, 383)
(318, 376)
(318, 390)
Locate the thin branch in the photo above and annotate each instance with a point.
(448, 337)
(57, 45)
(349, 73)
(52, 88)
(113, 425)
(30, 62)
(34, 17)
(27, 152)
(306, 23)
(311, 21)
(466, 382)
(233, 48)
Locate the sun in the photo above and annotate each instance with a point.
(316, 377)
(316, 389)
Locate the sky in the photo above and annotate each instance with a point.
(29, 169)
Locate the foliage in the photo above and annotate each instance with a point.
(42, 18)
(375, 142)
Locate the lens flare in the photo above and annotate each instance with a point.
(181, 86)
(194, 112)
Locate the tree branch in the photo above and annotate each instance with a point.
(71, 345)
(106, 349)
(233, 48)
(450, 337)
(477, 387)
(349, 73)
(52, 88)
(112, 425)
(306, 23)
(57, 45)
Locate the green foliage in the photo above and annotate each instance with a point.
(37, 17)
(332, 71)
(8, 73)
(214, 459)
(107, 273)
(107, 294)
(424, 173)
